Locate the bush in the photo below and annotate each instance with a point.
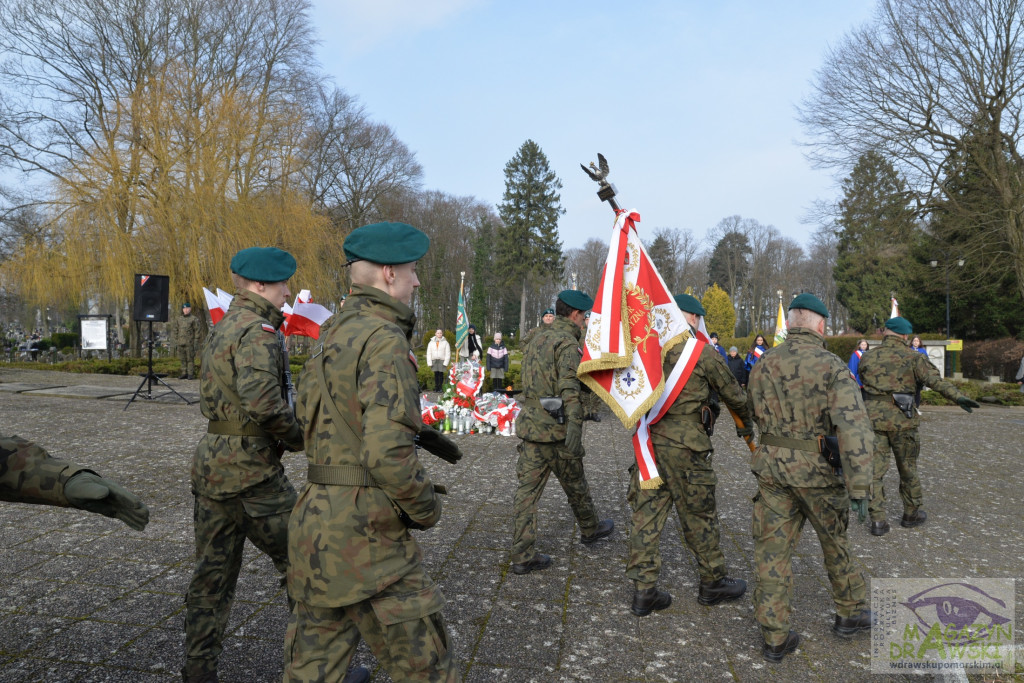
(64, 340)
(1000, 357)
(1006, 394)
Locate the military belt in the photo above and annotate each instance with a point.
(340, 475)
(786, 442)
(233, 428)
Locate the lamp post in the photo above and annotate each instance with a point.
(947, 261)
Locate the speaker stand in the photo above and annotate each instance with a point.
(151, 378)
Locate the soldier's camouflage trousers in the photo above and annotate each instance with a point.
(221, 527)
(905, 447)
(690, 485)
(779, 516)
(187, 356)
(536, 463)
(402, 625)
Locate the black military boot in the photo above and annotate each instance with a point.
(649, 599)
(360, 674)
(879, 528)
(204, 677)
(723, 589)
(848, 627)
(604, 528)
(915, 518)
(775, 653)
(538, 561)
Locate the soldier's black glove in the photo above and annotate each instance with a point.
(860, 506)
(574, 437)
(438, 444)
(88, 491)
(967, 403)
(744, 432)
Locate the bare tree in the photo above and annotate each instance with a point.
(353, 163)
(924, 81)
(587, 262)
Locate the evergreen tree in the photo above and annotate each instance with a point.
(729, 266)
(985, 301)
(876, 227)
(720, 315)
(527, 246)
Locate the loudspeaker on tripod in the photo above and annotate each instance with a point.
(151, 298)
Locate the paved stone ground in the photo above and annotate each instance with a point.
(87, 599)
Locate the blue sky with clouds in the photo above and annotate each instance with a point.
(693, 103)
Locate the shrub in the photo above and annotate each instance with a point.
(64, 340)
(1001, 357)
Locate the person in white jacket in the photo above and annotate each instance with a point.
(439, 354)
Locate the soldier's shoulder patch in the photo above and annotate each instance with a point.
(415, 363)
(268, 328)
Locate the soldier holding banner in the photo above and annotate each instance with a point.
(683, 450)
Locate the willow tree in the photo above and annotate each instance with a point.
(169, 134)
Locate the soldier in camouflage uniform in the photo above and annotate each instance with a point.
(355, 569)
(549, 370)
(683, 452)
(238, 481)
(892, 368)
(186, 338)
(29, 475)
(799, 392)
(546, 319)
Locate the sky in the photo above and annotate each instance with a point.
(692, 103)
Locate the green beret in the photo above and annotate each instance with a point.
(186, 305)
(689, 304)
(263, 264)
(386, 243)
(899, 326)
(809, 302)
(576, 299)
(549, 311)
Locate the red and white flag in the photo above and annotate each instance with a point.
(305, 317)
(634, 323)
(217, 303)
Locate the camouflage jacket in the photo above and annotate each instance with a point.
(529, 336)
(681, 425)
(347, 543)
(29, 475)
(894, 367)
(187, 331)
(242, 381)
(549, 369)
(798, 390)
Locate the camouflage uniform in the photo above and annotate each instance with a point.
(29, 475)
(895, 367)
(187, 333)
(238, 482)
(683, 452)
(549, 369)
(355, 570)
(797, 392)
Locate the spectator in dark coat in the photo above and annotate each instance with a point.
(738, 365)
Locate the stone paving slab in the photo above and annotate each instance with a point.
(87, 599)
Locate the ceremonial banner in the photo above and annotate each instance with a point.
(781, 327)
(634, 323)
